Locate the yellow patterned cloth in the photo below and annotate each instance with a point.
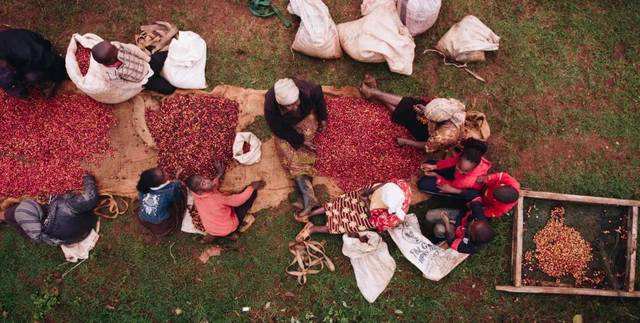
(301, 161)
(348, 213)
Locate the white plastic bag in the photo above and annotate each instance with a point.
(467, 41)
(379, 36)
(254, 153)
(434, 262)
(187, 220)
(95, 83)
(317, 35)
(418, 15)
(186, 61)
(372, 263)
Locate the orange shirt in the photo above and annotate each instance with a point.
(216, 210)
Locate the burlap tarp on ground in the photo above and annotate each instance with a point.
(134, 149)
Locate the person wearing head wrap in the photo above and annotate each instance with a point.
(435, 124)
(27, 59)
(295, 110)
(381, 206)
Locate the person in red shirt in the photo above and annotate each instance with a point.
(454, 175)
(221, 214)
(500, 195)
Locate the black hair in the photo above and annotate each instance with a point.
(148, 179)
(193, 182)
(483, 231)
(473, 150)
(506, 194)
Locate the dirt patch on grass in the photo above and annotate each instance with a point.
(469, 292)
(560, 154)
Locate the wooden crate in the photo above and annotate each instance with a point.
(517, 247)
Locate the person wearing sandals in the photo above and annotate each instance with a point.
(162, 202)
(436, 124)
(220, 214)
(378, 206)
(295, 111)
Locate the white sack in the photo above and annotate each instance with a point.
(95, 83)
(467, 40)
(434, 262)
(379, 36)
(317, 35)
(372, 263)
(187, 220)
(253, 155)
(186, 61)
(418, 15)
(80, 250)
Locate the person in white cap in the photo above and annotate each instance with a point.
(295, 111)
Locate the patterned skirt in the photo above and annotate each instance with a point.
(348, 213)
(298, 162)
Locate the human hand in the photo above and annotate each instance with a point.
(258, 184)
(418, 108)
(219, 166)
(401, 141)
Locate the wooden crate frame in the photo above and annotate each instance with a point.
(516, 248)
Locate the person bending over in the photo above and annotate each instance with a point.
(162, 202)
(128, 63)
(27, 59)
(377, 206)
(295, 111)
(436, 124)
(458, 174)
(68, 218)
(461, 230)
(499, 195)
(221, 214)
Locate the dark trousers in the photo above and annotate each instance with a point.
(427, 184)
(242, 210)
(156, 82)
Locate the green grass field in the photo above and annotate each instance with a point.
(562, 97)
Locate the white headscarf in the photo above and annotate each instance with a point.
(393, 197)
(286, 92)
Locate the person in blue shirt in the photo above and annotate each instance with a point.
(162, 202)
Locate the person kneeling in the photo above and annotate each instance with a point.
(66, 219)
(162, 202)
(377, 206)
(221, 214)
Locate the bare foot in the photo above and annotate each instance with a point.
(366, 91)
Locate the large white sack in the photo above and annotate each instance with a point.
(418, 15)
(368, 6)
(434, 262)
(187, 220)
(467, 40)
(372, 263)
(379, 36)
(186, 61)
(95, 83)
(317, 35)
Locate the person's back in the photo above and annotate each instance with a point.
(216, 213)
(26, 50)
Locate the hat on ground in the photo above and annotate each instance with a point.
(286, 92)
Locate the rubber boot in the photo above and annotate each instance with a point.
(309, 199)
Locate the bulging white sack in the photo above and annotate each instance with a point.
(186, 61)
(317, 35)
(467, 41)
(254, 153)
(418, 15)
